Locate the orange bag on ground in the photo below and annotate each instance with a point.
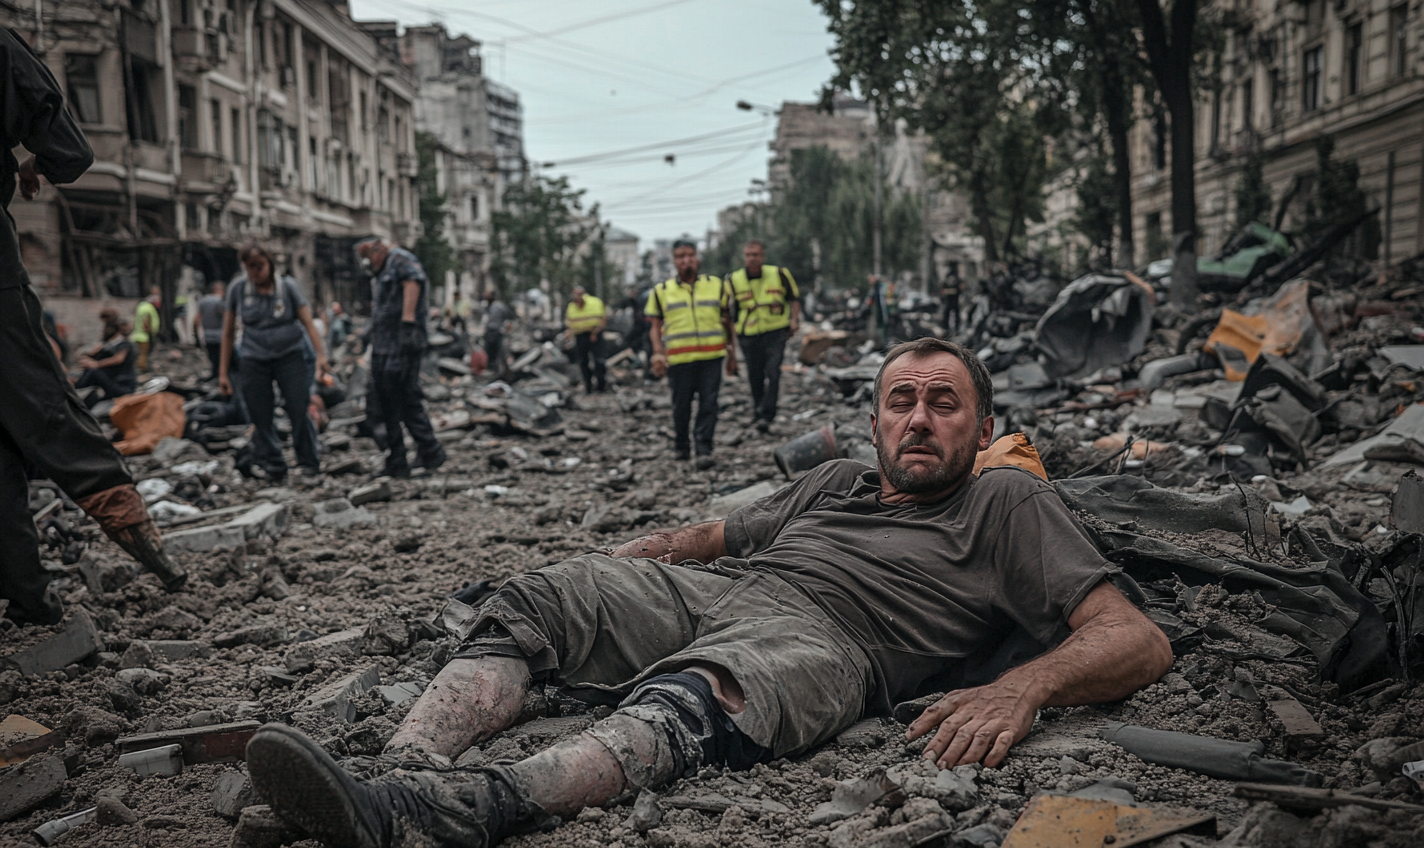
(1014, 450)
(145, 420)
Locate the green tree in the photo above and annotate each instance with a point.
(978, 78)
(432, 248)
(1253, 196)
(540, 234)
(1098, 208)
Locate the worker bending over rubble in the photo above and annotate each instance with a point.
(43, 423)
(844, 593)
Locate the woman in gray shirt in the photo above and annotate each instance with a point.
(276, 322)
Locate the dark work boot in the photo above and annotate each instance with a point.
(433, 460)
(143, 542)
(308, 789)
(47, 610)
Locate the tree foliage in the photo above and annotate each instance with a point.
(541, 233)
(432, 248)
(978, 78)
(828, 208)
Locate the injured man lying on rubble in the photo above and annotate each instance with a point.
(761, 636)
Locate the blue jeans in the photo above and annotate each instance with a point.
(292, 375)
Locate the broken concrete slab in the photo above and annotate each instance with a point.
(378, 490)
(144, 681)
(1299, 724)
(231, 793)
(143, 653)
(79, 638)
(340, 514)
(921, 831)
(851, 797)
(335, 698)
(400, 693)
(265, 520)
(269, 633)
(218, 743)
(27, 785)
(300, 656)
(218, 537)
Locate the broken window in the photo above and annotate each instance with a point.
(237, 135)
(1311, 61)
(1278, 96)
(1354, 58)
(338, 86)
(1398, 39)
(143, 122)
(474, 207)
(82, 74)
(215, 112)
(188, 117)
(1248, 104)
(1156, 240)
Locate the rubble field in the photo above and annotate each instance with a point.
(1289, 583)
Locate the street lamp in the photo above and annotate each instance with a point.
(746, 106)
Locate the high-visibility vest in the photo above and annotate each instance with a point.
(140, 332)
(761, 303)
(585, 320)
(692, 319)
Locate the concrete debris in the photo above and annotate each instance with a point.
(232, 793)
(336, 698)
(340, 514)
(50, 831)
(79, 639)
(27, 785)
(259, 827)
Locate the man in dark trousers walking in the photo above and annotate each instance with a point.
(43, 423)
(768, 312)
(397, 335)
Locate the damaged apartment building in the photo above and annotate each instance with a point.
(476, 129)
(1289, 73)
(215, 123)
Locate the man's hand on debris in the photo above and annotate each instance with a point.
(1113, 651)
(29, 179)
(976, 724)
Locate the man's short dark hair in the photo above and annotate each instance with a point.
(684, 243)
(749, 242)
(928, 346)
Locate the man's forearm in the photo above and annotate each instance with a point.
(1108, 658)
(701, 542)
(410, 298)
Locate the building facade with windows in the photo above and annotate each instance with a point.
(476, 126)
(215, 123)
(1291, 72)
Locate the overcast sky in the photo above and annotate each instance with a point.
(599, 78)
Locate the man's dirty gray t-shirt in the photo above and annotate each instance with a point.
(271, 328)
(921, 586)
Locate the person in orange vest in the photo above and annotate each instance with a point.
(768, 312)
(692, 325)
(585, 319)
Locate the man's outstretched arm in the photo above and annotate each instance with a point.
(1114, 651)
(702, 542)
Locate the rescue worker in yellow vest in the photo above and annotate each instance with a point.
(691, 334)
(585, 319)
(767, 307)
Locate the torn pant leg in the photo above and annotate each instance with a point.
(124, 518)
(690, 729)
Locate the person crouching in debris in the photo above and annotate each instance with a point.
(844, 593)
(109, 368)
(398, 336)
(276, 329)
(43, 423)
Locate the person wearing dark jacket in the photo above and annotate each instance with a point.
(42, 421)
(110, 366)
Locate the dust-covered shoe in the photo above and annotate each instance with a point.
(310, 790)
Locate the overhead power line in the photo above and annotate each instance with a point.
(720, 135)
